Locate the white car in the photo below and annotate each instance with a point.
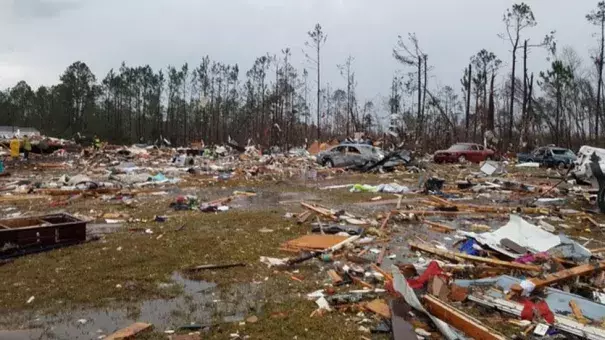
(590, 167)
(582, 169)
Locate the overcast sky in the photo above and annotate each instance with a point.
(40, 38)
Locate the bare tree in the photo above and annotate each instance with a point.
(517, 19)
(466, 83)
(318, 39)
(349, 75)
(412, 55)
(597, 18)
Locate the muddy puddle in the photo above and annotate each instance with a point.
(200, 306)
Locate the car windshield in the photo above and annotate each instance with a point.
(459, 147)
(563, 152)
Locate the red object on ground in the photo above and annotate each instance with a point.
(432, 270)
(541, 307)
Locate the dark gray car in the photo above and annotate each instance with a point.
(346, 155)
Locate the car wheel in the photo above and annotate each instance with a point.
(561, 165)
(328, 163)
(488, 158)
(461, 159)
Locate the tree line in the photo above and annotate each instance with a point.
(274, 103)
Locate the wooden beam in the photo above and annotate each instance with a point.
(386, 221)
(320, 211)
(448, 213)
(302, 218)
(439, 227)
(577, 312)
(455, 256)
(130, 332)
(561, 275)
(336, 279)
(470, 326)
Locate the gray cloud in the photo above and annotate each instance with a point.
(41, 8)
(46, 36)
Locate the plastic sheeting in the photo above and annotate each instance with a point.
(389, 188)
(532, 237)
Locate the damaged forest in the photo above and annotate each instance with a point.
(276, 201)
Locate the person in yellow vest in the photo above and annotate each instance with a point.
(15, 145)
(96, 143)
(27, 147)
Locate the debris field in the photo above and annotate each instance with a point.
(159, 243)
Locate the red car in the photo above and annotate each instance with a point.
(461, 152)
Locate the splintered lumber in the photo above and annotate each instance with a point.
(130, 332)
(597, 250)
(455, 256)
(386, 220)
(379, 307)
(439, 227)
(441, 201)
(336, 279)
(448, 213)
(321, 211)
(561, 275)
(592, 221)
(577, 312)
(302, 218)
(386, 275)
(470, 326)
(380, 258)
(361, 282)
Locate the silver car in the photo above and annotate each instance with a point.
(346, 155)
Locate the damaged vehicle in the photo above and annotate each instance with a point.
(348, 155)
(549, 156)
(589, 167)
(462, 152)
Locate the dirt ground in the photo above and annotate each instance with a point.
(134, 270)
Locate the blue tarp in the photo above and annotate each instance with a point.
(467, 247)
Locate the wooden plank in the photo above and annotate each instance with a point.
(15, 198)
(448, 213)
(439, 227)
(561, 275)
(386, 275)
(577, 312)
(382, 254)
(470, 326)
(336, 279)
(386, 221)
(379, 307)
(130, 332)
(302, 218)
(441, 201)
(314, 242)
(592, 221)
(319, 211)
(361, 282)
(455, 256)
